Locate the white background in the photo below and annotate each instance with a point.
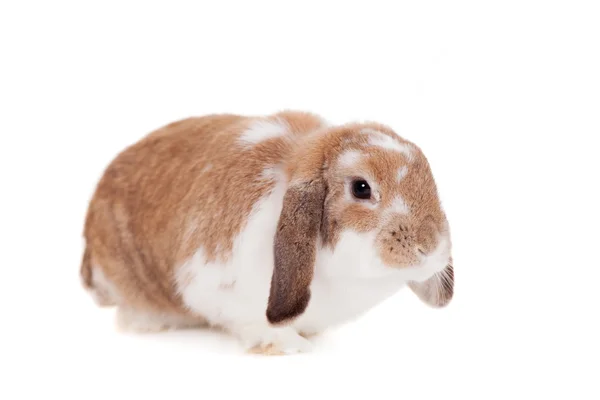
(503, 97)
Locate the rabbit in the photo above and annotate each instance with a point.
(272, 228)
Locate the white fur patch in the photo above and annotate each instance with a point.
(371, 131)
(270, 173)
(260, 130)
(398, 206)
(353, 257)
(348, 282)
(350, 158)
(402, 171)
(387, 142)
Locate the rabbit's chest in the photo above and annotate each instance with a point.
(347, 283)
(343, 300)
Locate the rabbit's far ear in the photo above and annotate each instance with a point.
(295, 248)
(438, 290)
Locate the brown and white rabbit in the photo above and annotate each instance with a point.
(272, 228)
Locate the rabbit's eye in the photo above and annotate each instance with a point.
(361, 189)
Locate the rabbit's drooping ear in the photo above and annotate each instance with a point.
(438, 290)
(295, 248)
